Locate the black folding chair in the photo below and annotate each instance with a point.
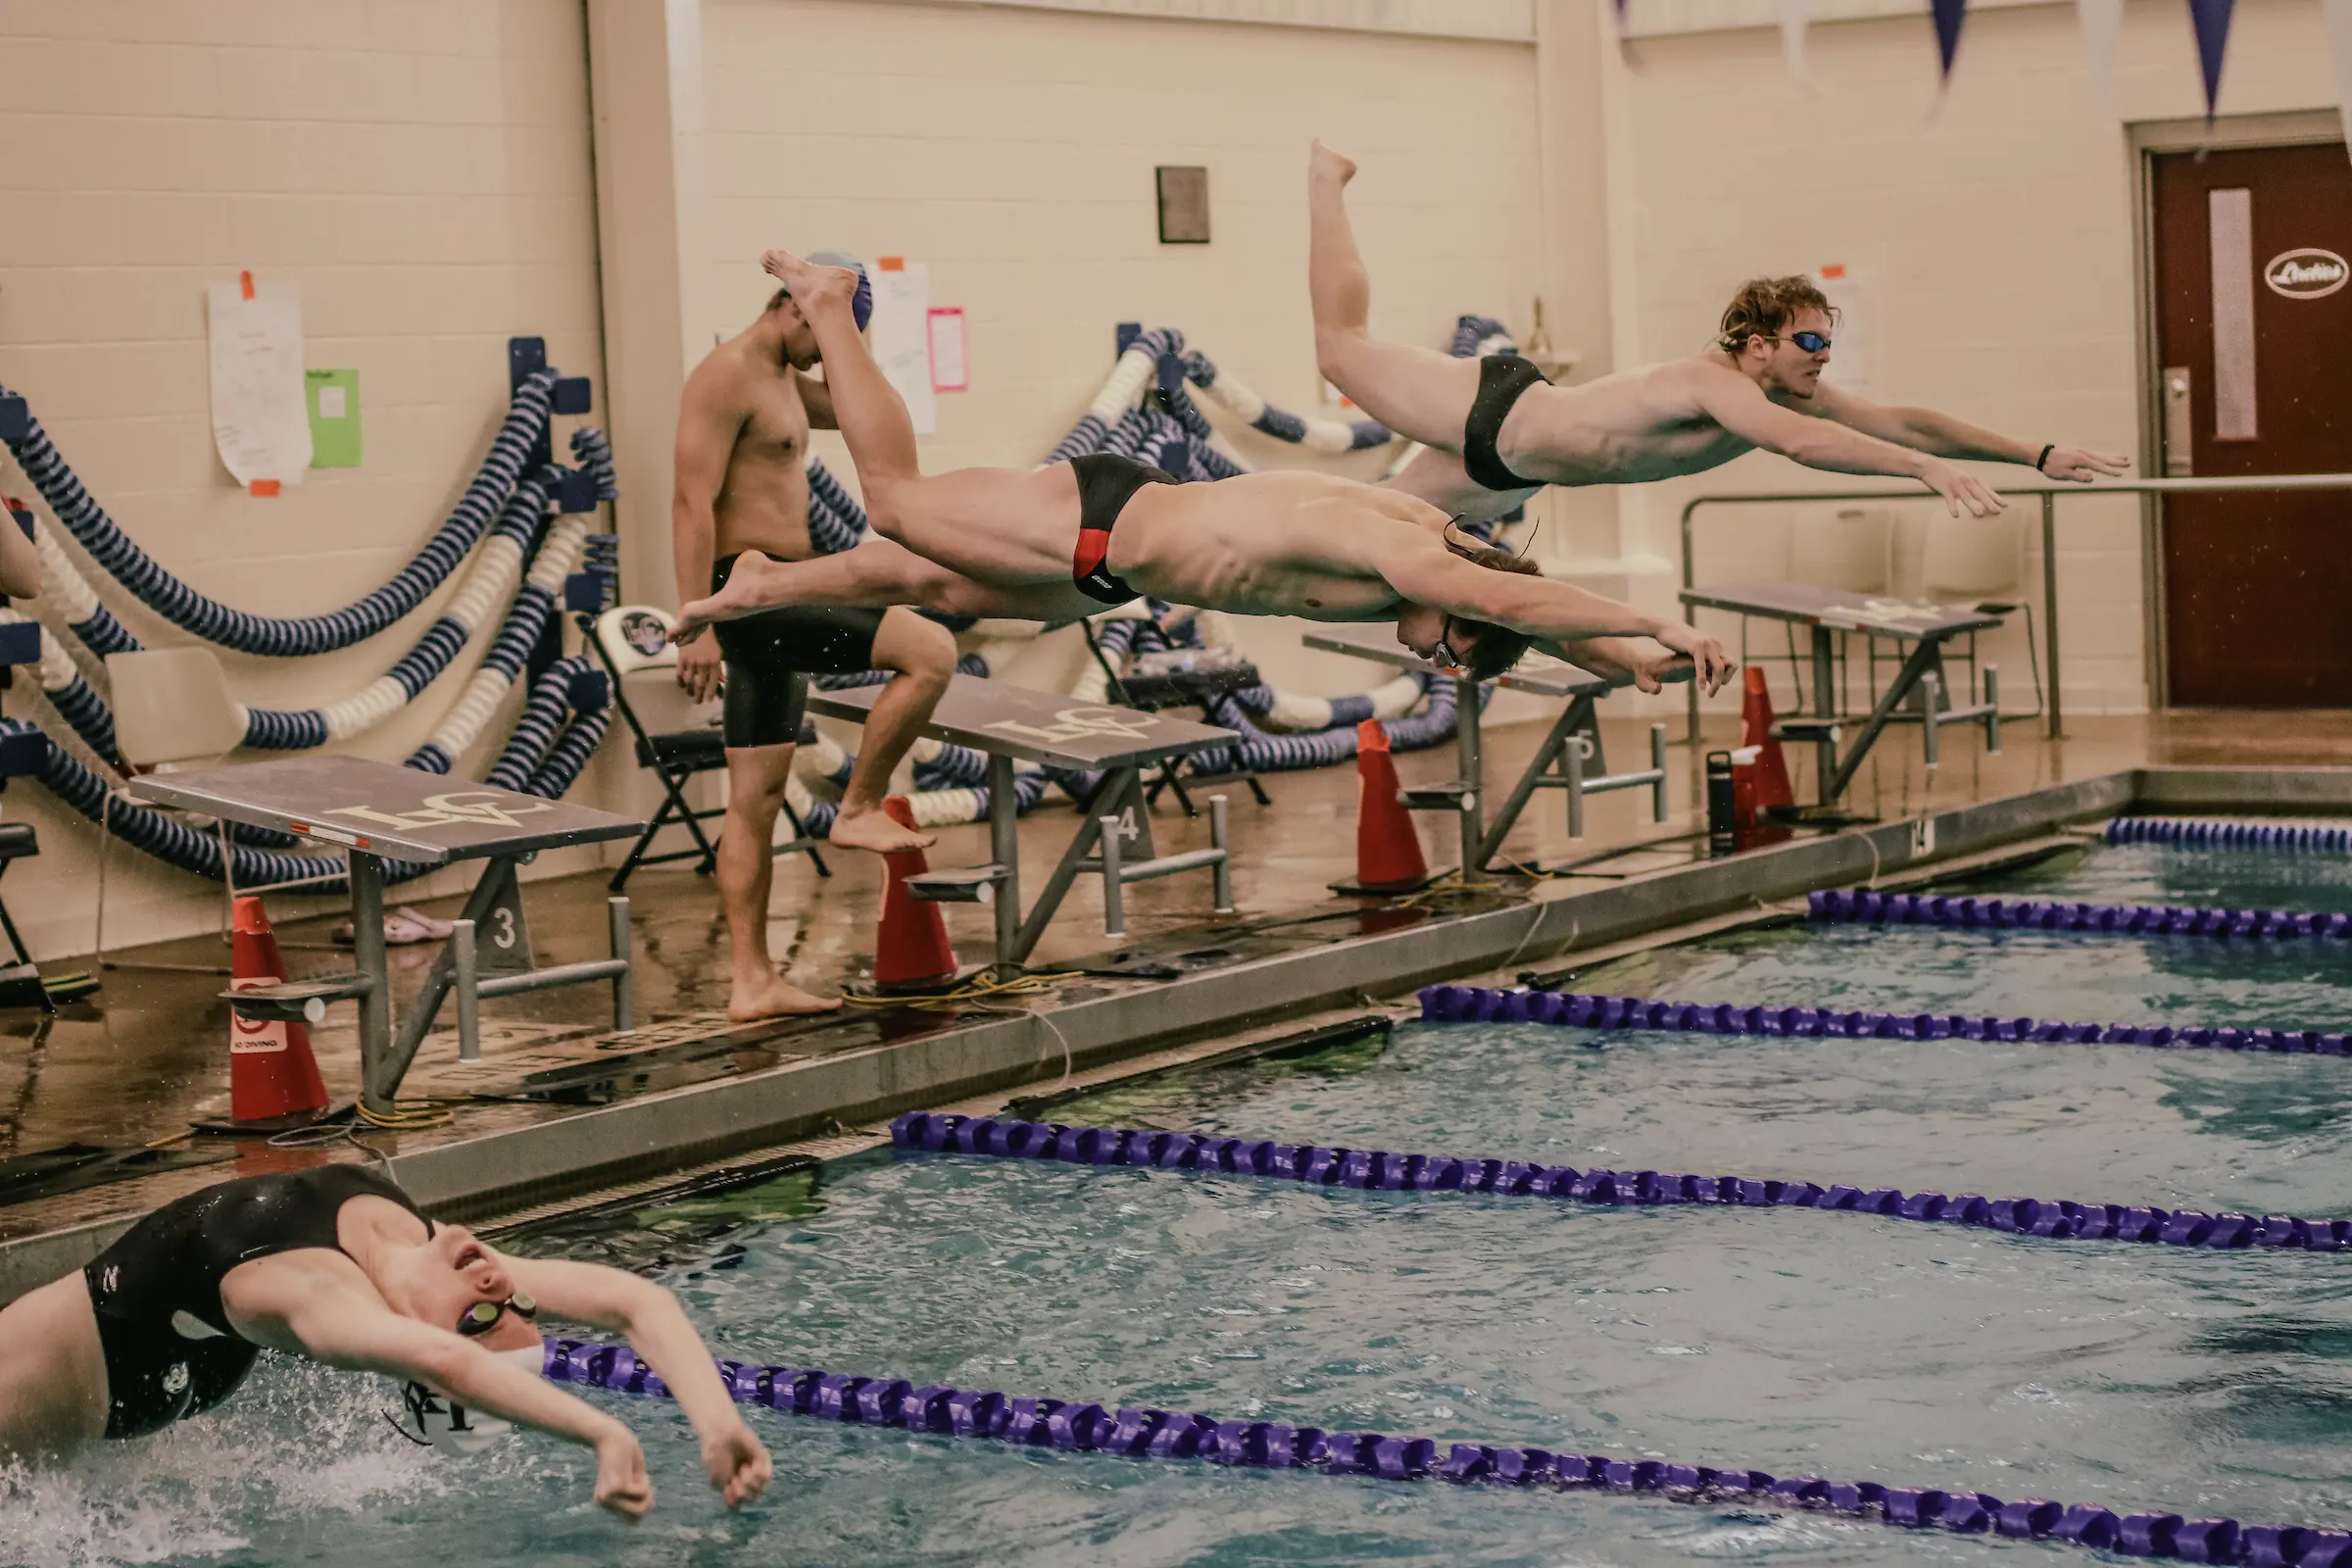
(1178, 689)
(633, 640)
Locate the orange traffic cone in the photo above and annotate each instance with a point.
(1755, 729)
(1388, 852)
(911, 950)
(272, 1074)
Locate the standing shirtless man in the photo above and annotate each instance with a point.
(741, 467)
(1498, 430)
(1065, 540)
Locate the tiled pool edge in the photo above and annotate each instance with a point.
(701, 1123)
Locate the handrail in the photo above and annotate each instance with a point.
(2049, 494)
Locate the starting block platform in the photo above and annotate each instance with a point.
(378, 813)
(1921, 682)
(1015, 724)
(1569, 760)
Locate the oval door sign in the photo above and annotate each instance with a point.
(2307, 273)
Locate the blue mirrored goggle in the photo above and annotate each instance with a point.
(1810, 342)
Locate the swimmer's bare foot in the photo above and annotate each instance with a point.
(1324, 165)
(807, 282)
(751, 587)
(769, 997)
(869, 827)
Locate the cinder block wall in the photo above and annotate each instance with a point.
(420, 170)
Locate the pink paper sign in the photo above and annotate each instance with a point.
(949, 370)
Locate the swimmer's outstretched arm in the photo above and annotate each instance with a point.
(1424, 572)
(657, 1328)
(1946, 435)
(1741, 406)
(315, 1312)
(1644, 660)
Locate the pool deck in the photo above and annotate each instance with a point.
(558, 1108)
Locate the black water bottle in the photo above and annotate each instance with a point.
(1723, 806)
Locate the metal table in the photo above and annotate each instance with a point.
(1570, 758)
(1013, 723)
(1829, 611)
(378, 813)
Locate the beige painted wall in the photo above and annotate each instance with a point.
(1013, 150)
(419, 169)
(1993, 230)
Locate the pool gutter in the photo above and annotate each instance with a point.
(640, 1138)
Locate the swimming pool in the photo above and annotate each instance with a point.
(1792, 1341)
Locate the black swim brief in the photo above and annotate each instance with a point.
(770, 656)
(1502, 378)
(1107, 482)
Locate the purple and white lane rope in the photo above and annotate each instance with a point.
(2100, 919)
(1586, 1010)
(1313, 1165)
(1153, 1434)
(2192, 833)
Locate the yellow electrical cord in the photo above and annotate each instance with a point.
(972, 990)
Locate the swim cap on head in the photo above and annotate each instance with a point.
(436, 1421)
(861, 304)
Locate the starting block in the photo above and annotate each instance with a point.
(1012, 724)
(1569, 760)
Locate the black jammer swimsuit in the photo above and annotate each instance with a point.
(770, 656)
(1501, 379)
(1107, 482)
(170, 1351)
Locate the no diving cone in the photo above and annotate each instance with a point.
(1755, 729)
(1388, 852)
(911, 950)
(272, 1077)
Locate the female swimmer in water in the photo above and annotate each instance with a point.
(337, 1264)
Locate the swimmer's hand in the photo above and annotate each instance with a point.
(699, 665)
(1710, 666)
(737, 1464)
(1960, 489)
(2082, 464)
(621, 1484)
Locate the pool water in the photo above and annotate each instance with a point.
(1795, 1342)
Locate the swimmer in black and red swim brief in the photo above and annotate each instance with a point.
(1062, 541)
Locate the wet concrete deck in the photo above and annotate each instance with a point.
(148, 1056)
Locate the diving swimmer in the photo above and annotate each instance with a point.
(1496, 431)
(1064, 541)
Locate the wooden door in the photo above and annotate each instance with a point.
(2253, 314)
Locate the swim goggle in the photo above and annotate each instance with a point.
(483, 1316)
(1810, 342)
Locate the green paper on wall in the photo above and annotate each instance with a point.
(333, 398)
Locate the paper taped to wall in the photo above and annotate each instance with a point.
(901, 335)
(261, 415)
(948, 367)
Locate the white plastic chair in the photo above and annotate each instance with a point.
(1980, 561)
